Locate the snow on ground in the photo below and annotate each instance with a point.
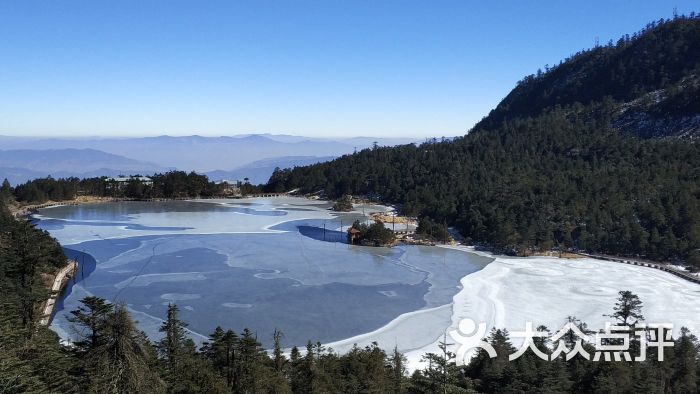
(509, 292)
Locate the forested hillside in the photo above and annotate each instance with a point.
(543, 170)
(172, 184)
(112, 356)
(31, 360)
(649, 76)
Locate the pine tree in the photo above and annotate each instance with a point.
(628, 309)
(222, 350)
(176, 348)
(397, 368)
(123, 362)
(298, 373)
(92, 319)
(686, 361)
(5, 190)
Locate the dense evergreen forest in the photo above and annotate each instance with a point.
(548, 169)
(533, 179)
(113, 356)
(173, 184)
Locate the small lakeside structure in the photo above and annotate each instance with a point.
(120, 182)
(230, 188)
(353, 234)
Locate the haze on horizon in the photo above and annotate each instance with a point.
(318, 69)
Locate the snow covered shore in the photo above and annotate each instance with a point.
(510, 291)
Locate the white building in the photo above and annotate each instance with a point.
(121, 181)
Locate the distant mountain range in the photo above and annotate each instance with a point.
(254, 156)
(259, 171)
(24, 164)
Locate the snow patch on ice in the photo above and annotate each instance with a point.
(509, 292)
(236, 305)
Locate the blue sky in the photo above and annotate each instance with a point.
(315, 68)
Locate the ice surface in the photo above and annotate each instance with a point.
(268, 263)
(262, 264)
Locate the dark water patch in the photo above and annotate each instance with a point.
(291, 280)
(322, 205)
(336, 224)
(104, 249)
(55, 224)
(122, 211)
(321, 234)
(250, 211)
(324, 313)
(86, 266)
(205, 293)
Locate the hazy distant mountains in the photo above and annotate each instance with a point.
(253, 156)
(71, 160)
(259, 171)
(23, 164)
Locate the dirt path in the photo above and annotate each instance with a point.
(645, 263)
(59, 281)
(19, 210)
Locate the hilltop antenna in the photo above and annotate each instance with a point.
(597, 41)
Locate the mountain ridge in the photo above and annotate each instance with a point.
(662, 57)
(21, 165)
(202, 154)
(260, 171)
(548, 170)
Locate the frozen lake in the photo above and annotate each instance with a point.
(256, 263)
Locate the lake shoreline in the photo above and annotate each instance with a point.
(479, 294)
(71, 233)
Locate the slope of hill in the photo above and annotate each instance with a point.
(544, 171)
(650, 79)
